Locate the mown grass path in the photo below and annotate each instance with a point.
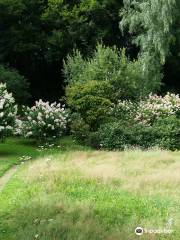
(6, 177)
(12, 150)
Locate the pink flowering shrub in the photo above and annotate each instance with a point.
(156, 107)
(152, 122)
(149, 110)
(44, 121)
(124, 110)
(8, 111)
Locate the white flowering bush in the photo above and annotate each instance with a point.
(152, 122)
(18, 130)
(8, 111)
(44, 121)
(124, 110)
(149, 110)
(156, 107)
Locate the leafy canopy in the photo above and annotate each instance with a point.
(95, 83)
(15, 83)
(151, 23)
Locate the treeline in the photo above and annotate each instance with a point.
(37, 35)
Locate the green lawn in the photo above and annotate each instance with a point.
(12, 150)
(76, 193)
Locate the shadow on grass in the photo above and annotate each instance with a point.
(7, 153)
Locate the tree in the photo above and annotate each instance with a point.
(15, 83)
(36, 35)
(81, 24)
(152, 23)
(23, 39)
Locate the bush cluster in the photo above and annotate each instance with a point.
(111, 65)
(110, 108)
(95, 84)
(44, 121)
(153, 122)
(165, 134)
(155, 107)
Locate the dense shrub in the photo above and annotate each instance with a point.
(111, 136)
(153, 122)
(165, 134)
(8, 111)
(79, 129)
(94, 84)
(44, 121)
(94, 140)
(107, 64)
(147, 110)
(92, 100)
(16, 83)
(154, 107)
(124, 110)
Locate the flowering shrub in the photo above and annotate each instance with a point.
(148, 110)
(124, 110)
(8, 111)
(18, 130)
(153, 122)
(44, 121)
(155, 107)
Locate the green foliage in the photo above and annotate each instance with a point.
(95, 83)
(79, 129)
(91, 99)
(20, 25)
(36, 35)
(15, 83)
(151, 22)
(107, 64)
(79, 24)
(113, 135)
(167, 133)
(164, 133)
(151, 122)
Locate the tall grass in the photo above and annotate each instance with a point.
(90, 195)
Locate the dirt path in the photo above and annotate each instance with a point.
(6, 177)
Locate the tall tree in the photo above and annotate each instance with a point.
(36, 35)
(151, 22)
